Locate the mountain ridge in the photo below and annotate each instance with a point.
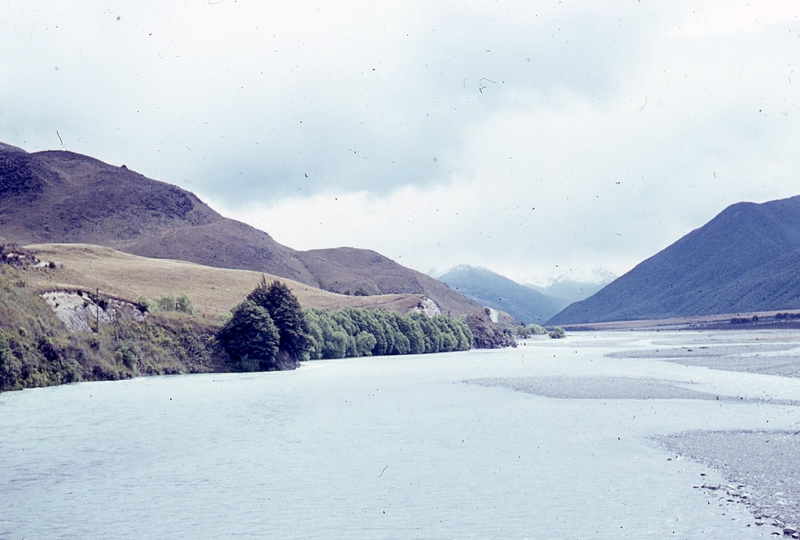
(741, 260)
(493, 290)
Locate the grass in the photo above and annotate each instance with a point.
(213, 291)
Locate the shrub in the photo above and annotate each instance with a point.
(558, 333)
(184, 304)
(165, 303)
(127, 353)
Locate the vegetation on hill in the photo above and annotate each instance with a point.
(488, 335)
(36, 348)
(268, 330)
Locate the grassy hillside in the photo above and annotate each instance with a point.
(64, 197)
(213, 291)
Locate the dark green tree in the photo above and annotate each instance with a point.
(413, 331)
(365, 342)
(10, 366)
(250, 337)
(353, 332)
(284, 308)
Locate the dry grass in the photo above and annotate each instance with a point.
(213, 291)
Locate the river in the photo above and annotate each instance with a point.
(554, 439)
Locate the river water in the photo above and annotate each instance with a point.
(553, 439)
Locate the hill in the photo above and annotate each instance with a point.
(364, 272)
(743, 260)
(493, 290)
(64, 197)
(213, 291)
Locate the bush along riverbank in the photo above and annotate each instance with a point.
(95, 337)
(269, 330)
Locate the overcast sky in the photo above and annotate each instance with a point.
(535, 138)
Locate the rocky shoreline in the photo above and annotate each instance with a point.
(759, 466)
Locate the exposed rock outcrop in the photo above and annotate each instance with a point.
(80, 310)
(427, 306)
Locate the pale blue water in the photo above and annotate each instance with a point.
(379, 448)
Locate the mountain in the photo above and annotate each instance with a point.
(573, 290)
(743, 260)
(495, 291)
(64, 197)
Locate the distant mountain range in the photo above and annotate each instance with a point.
(63, 197)
(495, 291)
(745, 259)
(572, 290)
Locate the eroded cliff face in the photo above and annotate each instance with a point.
(81, 310)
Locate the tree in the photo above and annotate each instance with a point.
(356, 332)
(10, 366)
(284, 309)
(365, 342)
(250, 337)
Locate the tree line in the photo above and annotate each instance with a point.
(269, 330)
(353, 332)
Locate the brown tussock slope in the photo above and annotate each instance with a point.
(213, 291)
